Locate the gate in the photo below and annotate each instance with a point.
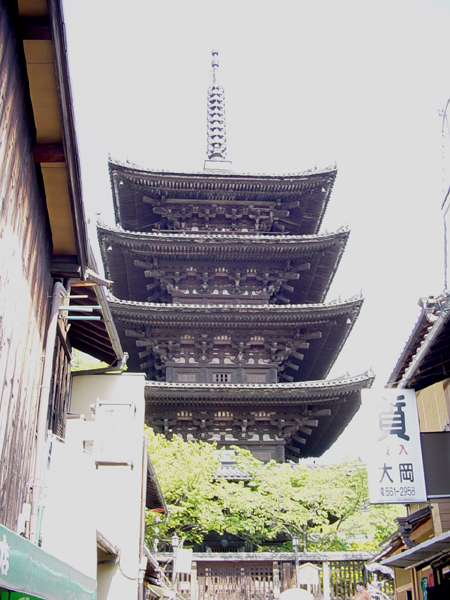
(264, 575)
(232, 582)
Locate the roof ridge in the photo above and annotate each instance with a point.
(187, 235)
(320, 383)
(164, 172)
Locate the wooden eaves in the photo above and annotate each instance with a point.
(40, 26)
(133, 186)
(330, 403)
(328, 324)
(425, 359)
(314, 258)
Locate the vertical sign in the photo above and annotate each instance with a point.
(424, 587)
(114, 428)
(395, 468)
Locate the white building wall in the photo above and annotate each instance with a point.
(68, 522)
(95, 482)
(118, 486)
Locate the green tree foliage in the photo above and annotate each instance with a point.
(187, 475)
(367, 528)
(84, 362)
(326, 506)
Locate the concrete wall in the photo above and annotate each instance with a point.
(96, 483)
(68, 521)
(118, 486)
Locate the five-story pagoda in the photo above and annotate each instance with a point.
(219, 287)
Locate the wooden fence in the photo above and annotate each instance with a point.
(263, 576)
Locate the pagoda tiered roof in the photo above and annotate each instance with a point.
(293, 203)
(129, 258)
(220, 281)
(309, 416)
(307, 338)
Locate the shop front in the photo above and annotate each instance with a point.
(29, 573)
(428, 564)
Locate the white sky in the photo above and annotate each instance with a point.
(308, 83)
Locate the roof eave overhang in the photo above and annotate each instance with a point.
(405, 358)
(104, 343)
(333, 403)
(69, 133)
(41, 28)
(422, 554)
(154, 498)
(133, 171)
(143, 310)
(286, 393)
(188, 241)
(407, 371)
(276, 186)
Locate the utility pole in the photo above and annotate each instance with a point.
(175, 544)
(295, 544)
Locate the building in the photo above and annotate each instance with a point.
(53, 300)
(45, 254)
(420, 551)
(102, 474)
(220, 282)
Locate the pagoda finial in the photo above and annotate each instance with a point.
(217, 148)
(215, 65)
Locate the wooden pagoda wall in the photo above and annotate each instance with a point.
(25, 280)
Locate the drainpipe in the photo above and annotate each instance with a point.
(142, 555)
(44, 398)
(295, 544)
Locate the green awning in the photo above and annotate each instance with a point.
(26, 568)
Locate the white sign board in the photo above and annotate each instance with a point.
(308, 574)
(183, 561)
(395, 467)
(114, 427)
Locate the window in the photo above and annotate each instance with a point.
(186, 377)
(222, 377)
(257, 377)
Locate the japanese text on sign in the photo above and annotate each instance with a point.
(396, 469)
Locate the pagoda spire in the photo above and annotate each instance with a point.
(217, 139)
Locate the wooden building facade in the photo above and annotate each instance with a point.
(25, 280)
(419, 552)
(45, 259)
